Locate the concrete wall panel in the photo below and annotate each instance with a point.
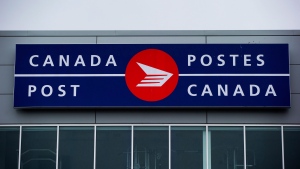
(293, 41)
(8, 44)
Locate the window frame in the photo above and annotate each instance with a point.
(282, 126)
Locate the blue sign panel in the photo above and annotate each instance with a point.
(152, 75)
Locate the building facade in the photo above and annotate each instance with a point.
(148, 138)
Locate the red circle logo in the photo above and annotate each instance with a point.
(151, 75)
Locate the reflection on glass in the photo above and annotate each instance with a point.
(38, 148)
(9, 147)
(76, 148)
(227, 147)
(113, 147)
(291, 147)
(188, 147)
(263, 146)
(151, 148)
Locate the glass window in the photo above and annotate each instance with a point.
(151, 148)
(76, 147)
(9, 147)
(226, 147)
(38, 148)
(113, 148)
(263, 146)
(188, 148)
(292, 147)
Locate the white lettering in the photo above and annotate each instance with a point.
(262, 62)
(31, 89)
(189, 90)
(221, 60)
(221, 89)
(79, 60)
(252, 86)
(93, 57)
(191, 58)
(75, 89)
(48, 60)
(234, 59)
(209, 60)
(238, 90)
(63, 60)
(270, 90)
(206, 90)
(63, 92)
(111, 60)
(247, 60)
(30, 60)
(50, 90)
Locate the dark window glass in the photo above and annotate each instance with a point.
(38, 148)
(227, 147)
(113, 147)
(151, 148)
(263, 146)
(9, 147)
(292, 147)
(76, 148)
(188, 148)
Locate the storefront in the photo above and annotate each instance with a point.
(229, 136)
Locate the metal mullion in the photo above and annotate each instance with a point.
(57, 145)
(132, 144)
(245, 154)
(207, 160)
(282, 147)
(95, 145)
(150, 125)
(169, 146)
(20, 147)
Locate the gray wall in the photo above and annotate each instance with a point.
(9, 115)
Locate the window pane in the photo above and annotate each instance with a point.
(292, 147)
(264, 149)
(9, 147)
(38, 148)
(151, 148)
(188, 148)
(113, 147)
(76, 147)
(227, 147)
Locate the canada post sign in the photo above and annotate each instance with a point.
(152, 75)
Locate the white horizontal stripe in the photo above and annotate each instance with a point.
(234, 75)
(122, 75)
(69, 75)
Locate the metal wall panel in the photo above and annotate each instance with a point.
(295, 79)
(10, 115)
(7, 80)
(85, 33)
(293, 42)
(8, 44)
(151, 40)
(141, 116)
(267, 115)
